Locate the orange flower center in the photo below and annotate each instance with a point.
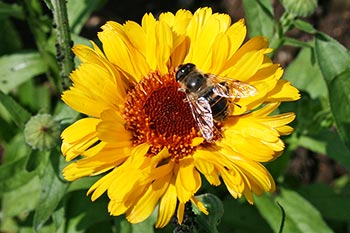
(156, 112)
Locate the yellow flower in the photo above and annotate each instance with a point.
(140, 133)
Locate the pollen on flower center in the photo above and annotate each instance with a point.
(168, 113)
(156, 112)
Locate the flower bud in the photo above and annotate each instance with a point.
(301, 8)
(41, 132)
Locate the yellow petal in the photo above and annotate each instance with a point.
(149, 25)
(257, 175)
(100, 186)
(284, 130)
(188, 180)
(80, 129)
(95, 56)
(284, 91)
(199, 205)
(117, 208)
(79, 137)
(96, 164)
(233, 181)
(111, 128)
(180, 50)
(180, 212)
(200, 51)
(87, 54)
(167, 205)
(220, 53)
(245, 66)
(236, 33)
(164, 39)
(94, 90)
(208, 170)
(121, 53)
(267, 109)
(144, 206)
(278, 120)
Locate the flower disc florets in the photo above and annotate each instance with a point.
(157, 112)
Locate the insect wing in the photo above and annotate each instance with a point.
(230, 88)
(242, 90)
(202, 114)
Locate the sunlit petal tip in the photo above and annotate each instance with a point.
(180, 212)
(80, 49)
(241, 21)
(199, 205)
(88, 54)
(268, 50)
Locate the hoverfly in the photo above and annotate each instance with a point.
(209, 96)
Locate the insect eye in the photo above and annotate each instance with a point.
(184, 70)
(179, 74)
(189, 66)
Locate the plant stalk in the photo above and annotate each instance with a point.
(64, 42)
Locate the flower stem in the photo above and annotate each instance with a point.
(64, 42)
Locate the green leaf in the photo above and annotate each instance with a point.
(64, 114)
(15, 149)
(332, 57)
(59, 219)
(11, 10)
(146, 226)
(8, 130)
(270, 210)
(53, 188)
(239, 216)
(105, 227)
(295, 42)
(334, 62)
(10, 40)
(313, 114)
(21, 165)
(339, 97)
(123, 226)
(14, 175)
(304, 26)
(83, 183)
(260, 17)
(300, 215)
(304, 73)
(36, 98)
(82, 213)
(18, 68)
(18, 114)
(28, 193)
(79, 11)
(328, 143)
(333, 206)
(209, 223)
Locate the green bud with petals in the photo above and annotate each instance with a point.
(301, 8)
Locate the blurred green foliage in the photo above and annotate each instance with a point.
(35, 197)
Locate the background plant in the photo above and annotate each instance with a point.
(34, 65)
